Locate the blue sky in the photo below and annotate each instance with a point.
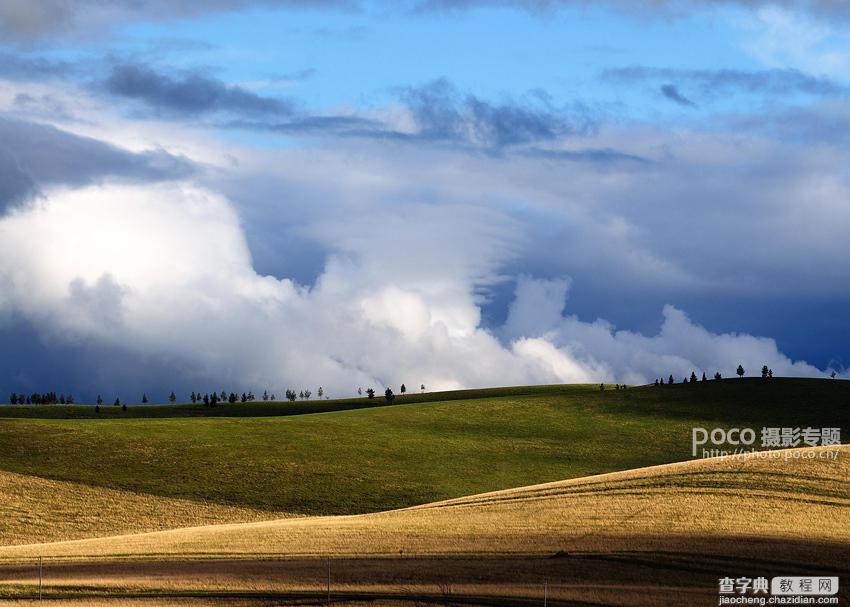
(452, 192)
(332, 58)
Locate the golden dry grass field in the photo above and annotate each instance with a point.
(738, 496)
(34, 509)
(654, 536)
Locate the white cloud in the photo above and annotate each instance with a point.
(781, 38)
(165, 270)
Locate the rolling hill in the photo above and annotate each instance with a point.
(415, 452)
(645, 537)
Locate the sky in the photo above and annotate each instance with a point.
(271, 194)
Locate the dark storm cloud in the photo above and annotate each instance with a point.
(672, 93)
(599, 156)
(315, 125)
(32, 155)
(191, 93)
(711, 83)
(442, 114)
(26, 20)
(16, 66)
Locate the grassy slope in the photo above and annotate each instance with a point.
(645, 510)
(389, 457)
(34, 509)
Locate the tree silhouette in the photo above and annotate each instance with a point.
(388, 394)
(740, 371)
(124, 407)
(117, 402)
(172, 397)
(403, 389)
(422, 387)
(320, 392)
(194, 398)
(99, 400)
(832, 375)
(656, 382)
(370, 392)
(717, 375)
(670, 380)
(704, 378)
(764, 371)
(144, 399)
(693, 377)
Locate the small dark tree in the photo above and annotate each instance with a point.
(244, 398)
(307, 394)
(601, 387)
(370, 392)
(832, 375)
(656, 382)
(422, 387)
(13, 399)
(99, 400)
(320, 392)
(194, 398)
(172, 397)
(704, 378)
(144, 399)
(770, 373)
(117, 402)
(717, 375)
(124, 407)
(388, 394)
(359, 391)
(232, 398)
(265, 395)
(693, 377)
(403, 389)
(764, 371)
(206, 400)
(740, 371)
(670, 380)
(685, 380)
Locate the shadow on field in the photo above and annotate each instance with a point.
(647, 572)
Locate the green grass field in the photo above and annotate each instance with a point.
(420, 450)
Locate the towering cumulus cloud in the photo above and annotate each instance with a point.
(165, 270)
